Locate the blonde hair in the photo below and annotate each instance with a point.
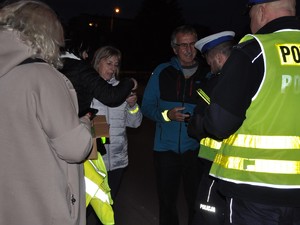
(104, 53)
(38, 27)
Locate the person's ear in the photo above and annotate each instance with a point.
(175, 50)
(85, 55)
(219, 58)
(261, 13)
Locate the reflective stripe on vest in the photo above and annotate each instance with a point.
(263, 142)
(258, 165)
(209, 148)
(93, 190)
(209, 142)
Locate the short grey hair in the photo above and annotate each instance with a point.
(185, 29)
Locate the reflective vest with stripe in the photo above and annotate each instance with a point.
(209, 148)
(265, 150)
(98, 191)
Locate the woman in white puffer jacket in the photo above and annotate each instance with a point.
(107, 61)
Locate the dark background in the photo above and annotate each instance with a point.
(142, 29)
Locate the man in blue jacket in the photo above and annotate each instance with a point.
(169, 99)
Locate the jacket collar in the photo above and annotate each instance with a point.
(286, 22)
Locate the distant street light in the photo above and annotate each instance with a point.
(115, 11)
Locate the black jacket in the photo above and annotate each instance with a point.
(229, 101)
(88, 85)
(195, 123)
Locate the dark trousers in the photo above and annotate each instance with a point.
(210, 204)
(170, 169)
(114, 180)
(240, 212)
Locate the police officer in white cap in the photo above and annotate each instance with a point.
(216, 49)
(210, 204)
(255, 112)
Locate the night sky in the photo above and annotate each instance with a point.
(218, 14)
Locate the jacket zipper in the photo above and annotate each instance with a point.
(180, 125)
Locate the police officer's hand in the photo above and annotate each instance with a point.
(176, 114)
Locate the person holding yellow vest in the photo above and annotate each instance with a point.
(254, 109)
(210, 204)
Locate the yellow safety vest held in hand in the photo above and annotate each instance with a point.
(265, 150)
(98, 191)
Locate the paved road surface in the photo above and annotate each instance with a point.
(136, 203)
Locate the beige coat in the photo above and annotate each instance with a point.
(42, 142)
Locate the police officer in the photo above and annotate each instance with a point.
(210, 204)
(254, 109)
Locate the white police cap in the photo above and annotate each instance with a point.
(211, 41)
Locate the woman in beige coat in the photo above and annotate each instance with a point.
(42, 141)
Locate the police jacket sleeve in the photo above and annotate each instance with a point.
(195, 127)
(241, 77)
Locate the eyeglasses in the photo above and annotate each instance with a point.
(185, 45)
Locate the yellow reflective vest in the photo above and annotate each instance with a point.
(209, 148)
(265, 150)
(98, 191)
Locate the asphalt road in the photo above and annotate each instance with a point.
(136, 202)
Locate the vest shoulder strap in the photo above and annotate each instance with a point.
(30, 60)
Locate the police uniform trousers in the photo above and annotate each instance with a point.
(210, 204)
(241, 212)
